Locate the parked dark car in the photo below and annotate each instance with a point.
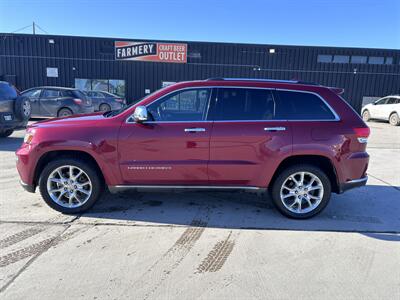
(300, 141)
(15, 110)
(105, 101)
(51, 101)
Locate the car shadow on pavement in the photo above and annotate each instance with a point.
(372, 209)
(10, 143)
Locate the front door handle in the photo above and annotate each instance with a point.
(195, 129)
(275, 128)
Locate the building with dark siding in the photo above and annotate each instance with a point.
(134, 67)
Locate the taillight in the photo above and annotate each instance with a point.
(119, 100)
(78, 101)
(362, 134)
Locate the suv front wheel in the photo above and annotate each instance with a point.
(301, 191)
(70, 185)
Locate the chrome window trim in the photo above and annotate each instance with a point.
(336, 119)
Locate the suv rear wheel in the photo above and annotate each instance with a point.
(64, 112)
(70, 185)
(105, 107)
(301, 191)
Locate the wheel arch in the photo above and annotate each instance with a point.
(323, 162)
(65, 107)
(59, 154)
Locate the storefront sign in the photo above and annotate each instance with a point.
(151, 51)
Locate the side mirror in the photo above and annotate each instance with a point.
(140, 114)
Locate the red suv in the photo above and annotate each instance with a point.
(301, 141)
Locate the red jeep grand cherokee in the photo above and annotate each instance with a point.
(299, 140)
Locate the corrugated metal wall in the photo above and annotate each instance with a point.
(27, 57)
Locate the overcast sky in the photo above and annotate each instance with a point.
(349, 23)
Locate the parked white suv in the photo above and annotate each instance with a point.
(386, 108)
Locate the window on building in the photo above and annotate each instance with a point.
(245, 104)
(341, 59)
(187, 105)
(389, 60)
(376, 60)
(322, 58)
(114, 86)
(356, 59)
(302, 106)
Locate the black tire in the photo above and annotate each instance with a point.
(22, 108)
(104, 107)
(88, 168)
(6, 133)
(280, 180)
(394, 119)
(366, 116)
(64, 112)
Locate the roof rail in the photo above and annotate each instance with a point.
(261, 80)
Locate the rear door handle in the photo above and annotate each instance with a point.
(275, 128)
(195, 129)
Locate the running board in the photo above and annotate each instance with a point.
(119, 188)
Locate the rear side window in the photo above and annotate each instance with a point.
(50, 93)
(302, 106)
(244, 104)
(7, 91)
(67, 94)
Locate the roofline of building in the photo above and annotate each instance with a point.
(183, 41)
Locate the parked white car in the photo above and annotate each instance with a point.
(386, 108)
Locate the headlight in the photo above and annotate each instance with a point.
(29, 136)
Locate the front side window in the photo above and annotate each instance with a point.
(32, 93)
(382, 101)
(50, 94)
(186, 105)
(302, 106)
(244, 104)
(391, 101)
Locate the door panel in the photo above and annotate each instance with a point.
(50, 102)
(164, 153)
(245, 153)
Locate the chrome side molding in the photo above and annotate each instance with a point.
(118, 188)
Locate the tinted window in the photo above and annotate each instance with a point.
(302, 106)
(244, 104)
(187, 105)
(391, 101)
(382, 101)
(7, 91)
(50, 93)
(67, 94)
(324, 58)
(32, 93)
(79, 95)
(376, 60)
(340, 58)
(358, 59)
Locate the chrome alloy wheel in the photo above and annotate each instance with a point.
(26, 107)
(302, 192)
(69, 186)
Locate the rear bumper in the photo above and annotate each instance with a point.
(28, 187)
(353, 184)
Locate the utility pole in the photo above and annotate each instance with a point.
(33, 27)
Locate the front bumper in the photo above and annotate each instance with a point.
(28, 187)
(353, 184)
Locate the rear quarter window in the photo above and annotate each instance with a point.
(302, 106)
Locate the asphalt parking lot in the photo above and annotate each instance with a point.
(206, 245)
